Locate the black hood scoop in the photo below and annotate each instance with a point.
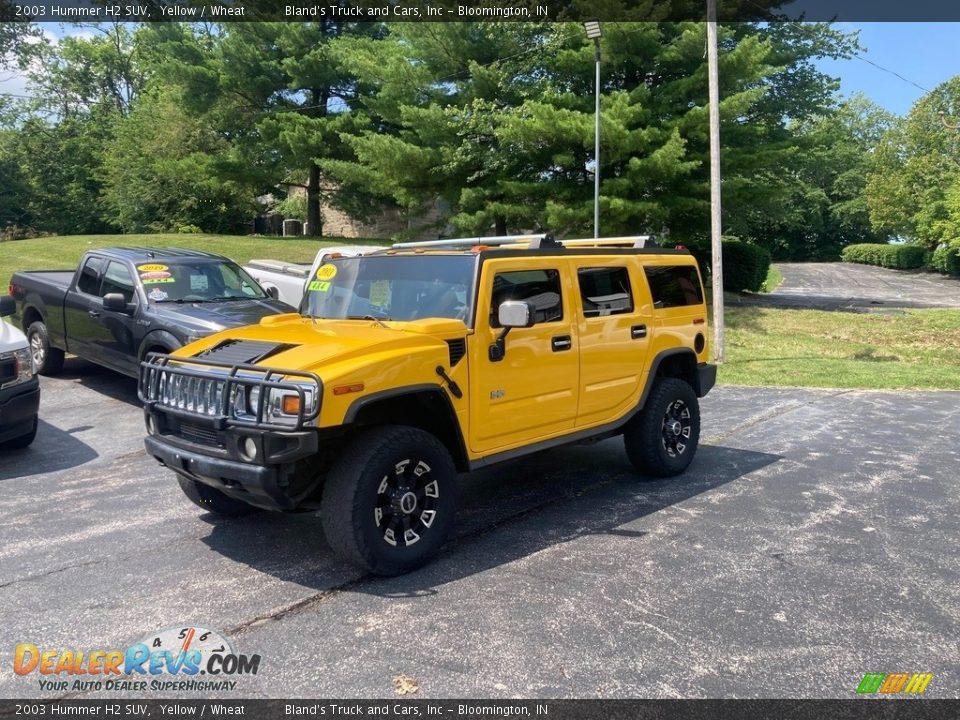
(243, 352)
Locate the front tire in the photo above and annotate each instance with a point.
(389, 500)
(47, 359)
(662, 440)
(212, 500)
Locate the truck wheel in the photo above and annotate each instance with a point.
(662, 440)
(212, 500)
(389, 500)
(48, 360)
(18, 443)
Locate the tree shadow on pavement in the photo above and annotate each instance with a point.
(507, 512)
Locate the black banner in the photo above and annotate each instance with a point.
(56, 11)
(455, 709)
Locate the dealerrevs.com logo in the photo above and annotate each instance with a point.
(894, 683)
(173, 659)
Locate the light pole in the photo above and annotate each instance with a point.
(593, 33)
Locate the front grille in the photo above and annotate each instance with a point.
(228, 394)
(190, 393)
(200, 435)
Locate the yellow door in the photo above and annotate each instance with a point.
(531, 393)
(614, 323)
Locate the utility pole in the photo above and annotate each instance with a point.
(716, 255)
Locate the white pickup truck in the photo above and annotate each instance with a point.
(286, 281)
(19, 388)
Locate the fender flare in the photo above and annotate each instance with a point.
(154, 338)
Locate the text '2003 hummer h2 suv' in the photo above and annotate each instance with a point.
(410, 364)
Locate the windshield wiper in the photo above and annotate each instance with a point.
(378, 321)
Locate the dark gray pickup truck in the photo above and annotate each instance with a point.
(122, 303)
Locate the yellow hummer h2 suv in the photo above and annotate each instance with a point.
(411, 364)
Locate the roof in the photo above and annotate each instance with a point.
(137, 254)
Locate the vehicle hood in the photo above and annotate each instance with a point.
(10, 337)
(297, 343)
(206, 318)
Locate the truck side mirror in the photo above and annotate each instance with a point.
(8, 306)
(511, 314)
(272, 291)
(516, 313)
(116, 302)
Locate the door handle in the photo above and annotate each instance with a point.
(638, 331)
(561, 343)
(93, 313)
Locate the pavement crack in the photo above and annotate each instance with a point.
(776, 412)
(53, 571)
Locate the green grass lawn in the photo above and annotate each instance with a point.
(773, 280)
(61, 252)
(915, 349)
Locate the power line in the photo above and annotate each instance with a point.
(891, 72)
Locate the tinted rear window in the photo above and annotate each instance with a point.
(674, 285)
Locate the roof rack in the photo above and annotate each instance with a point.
(468, 242)
(528, 242)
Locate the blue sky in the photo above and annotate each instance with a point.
(925, 53)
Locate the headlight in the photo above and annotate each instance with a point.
(277, 404)
(25, 368)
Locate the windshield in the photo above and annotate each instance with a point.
(392, 287)
(197, 280)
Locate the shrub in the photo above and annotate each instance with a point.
(946, 259)
(900, 257)
(188, 229)
(20, 232)
(745, 266)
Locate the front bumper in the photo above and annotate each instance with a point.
(275, 480)
(19, 405)
(706, 378)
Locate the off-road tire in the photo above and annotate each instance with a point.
(363, 499)
(653, 446)
(212, 500)
(18, 443)
(48, 359)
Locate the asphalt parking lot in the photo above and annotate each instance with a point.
(813, 540)
(850, 286)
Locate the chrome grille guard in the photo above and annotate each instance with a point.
(206, 389)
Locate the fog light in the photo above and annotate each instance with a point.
(250, 449)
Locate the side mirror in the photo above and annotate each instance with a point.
(516, 314)
(115, 302)
(272, 291)
(511, 314)
(8, 306)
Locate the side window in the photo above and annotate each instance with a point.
(540, 287)
(89, 280)
(117, 279)
(605, 291)
(674, 285)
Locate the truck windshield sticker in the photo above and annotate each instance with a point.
(327, 272)
(199, 282)
(319, 286)
(154, 275)
(157, 295)
(151, 268)
(155, 280)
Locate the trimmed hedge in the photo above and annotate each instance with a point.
(900, 257)
(946, 259)
(745, 266)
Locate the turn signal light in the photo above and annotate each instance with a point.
(345, 389)
(291, 404)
